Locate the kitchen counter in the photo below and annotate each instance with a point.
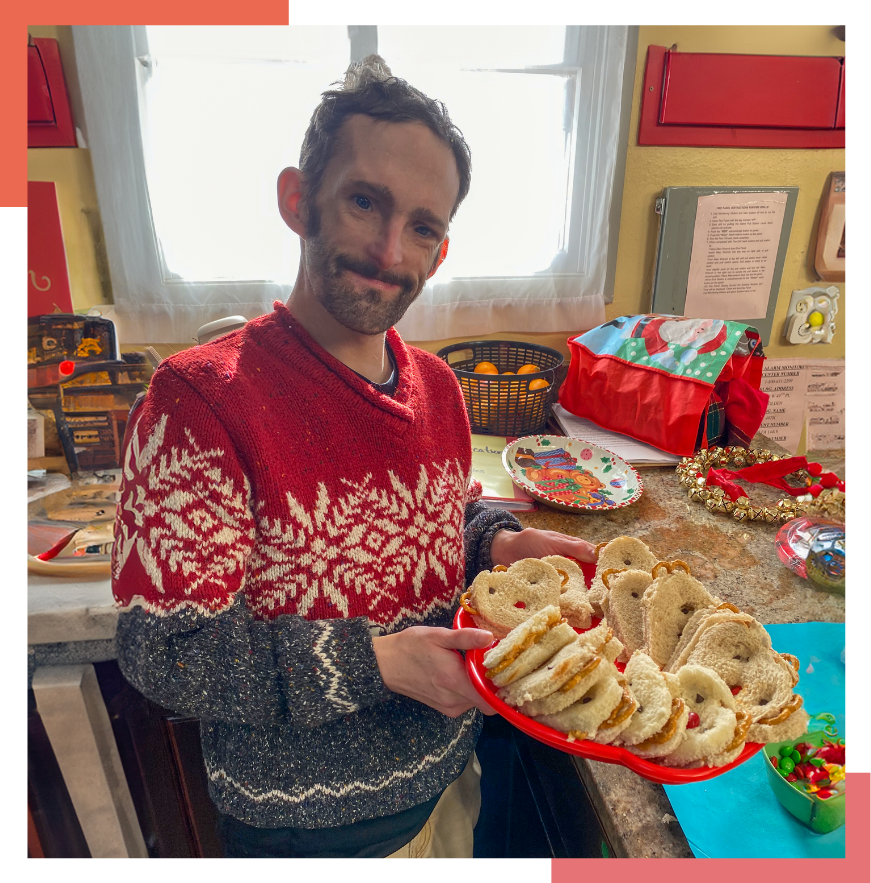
(735, 561)
(72, 621)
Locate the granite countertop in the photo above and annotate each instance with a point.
(735, 561)
(74, 619)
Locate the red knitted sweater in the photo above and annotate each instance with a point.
(275, 510)
(351, 505)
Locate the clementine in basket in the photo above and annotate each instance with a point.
(528, 369)
(507, 372)
(541, 383)
(486, 368)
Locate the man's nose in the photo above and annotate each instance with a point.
(386, 248)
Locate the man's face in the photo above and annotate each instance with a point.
(375, 226)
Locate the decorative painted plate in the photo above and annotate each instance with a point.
(571, 474)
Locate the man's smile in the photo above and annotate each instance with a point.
(371, 282)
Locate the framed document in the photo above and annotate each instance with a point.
(721, 252)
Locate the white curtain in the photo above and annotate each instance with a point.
(189, 128)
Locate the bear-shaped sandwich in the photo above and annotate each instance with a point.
(700, 677)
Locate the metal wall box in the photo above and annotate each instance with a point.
(677, 209)
(716, 100)
(49, 120)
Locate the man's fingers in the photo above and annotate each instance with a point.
(467, 639)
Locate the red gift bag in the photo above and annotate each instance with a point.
(676, 383)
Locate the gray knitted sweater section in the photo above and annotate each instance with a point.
(279, 749)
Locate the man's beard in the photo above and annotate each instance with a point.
(369, 312)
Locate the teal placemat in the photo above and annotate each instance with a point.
(736, 815)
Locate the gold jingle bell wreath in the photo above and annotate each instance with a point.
(708, 480)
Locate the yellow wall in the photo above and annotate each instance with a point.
(648, 171)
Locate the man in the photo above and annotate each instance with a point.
(297, 521)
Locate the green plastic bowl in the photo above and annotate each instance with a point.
(822, 816)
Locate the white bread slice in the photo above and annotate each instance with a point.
(667, 605)
(740, 652)
(528, 651)
(582, 719)
(706, 694)
(708, 618)
(548, 678)
(794, 726)
(495, 595)
(622, 553)
(573, 602)
(651, 690)
(612, 727)
(686, 635)
(622, 607)
(732, 750)
(669, 737)
(572, 690)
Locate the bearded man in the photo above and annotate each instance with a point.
(303, 614)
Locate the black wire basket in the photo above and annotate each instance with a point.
(505, 404)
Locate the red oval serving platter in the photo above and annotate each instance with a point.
(663, 775)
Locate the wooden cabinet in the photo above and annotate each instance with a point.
(162, 760)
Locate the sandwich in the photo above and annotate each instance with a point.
(622, 606)
(651, 690)
(667, 605)
(502, 598)
(596, 652)
(622, 553)
(739, 650)
(574, 603)
(606, 705)
(716, 729)
(528, 646)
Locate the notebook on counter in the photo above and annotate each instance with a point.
(634, 452)
(499, 491)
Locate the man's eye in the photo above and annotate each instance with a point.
(423, 231)
(363, 202)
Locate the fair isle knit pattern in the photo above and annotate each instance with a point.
(275, 513)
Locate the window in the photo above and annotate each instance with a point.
(190, 126)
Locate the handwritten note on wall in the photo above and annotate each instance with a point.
(735, 243)
(805, 393)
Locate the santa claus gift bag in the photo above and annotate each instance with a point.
(678, 384)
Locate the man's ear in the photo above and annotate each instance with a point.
(290, 185)
(443, 253)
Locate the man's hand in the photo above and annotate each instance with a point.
(509, 546)
(422, 663)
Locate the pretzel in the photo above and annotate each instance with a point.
(793, 705)
(464, 603)
(575, 734)
(792, 660)
(608, 636)
(600, 547)
(727, 606)
(668, 731)
(793, 663)
(564, 575)
(682, 564)
(608, 572)
(500, 568)
(743, 723)
(659, 564)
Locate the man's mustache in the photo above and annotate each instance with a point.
(365, 268)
